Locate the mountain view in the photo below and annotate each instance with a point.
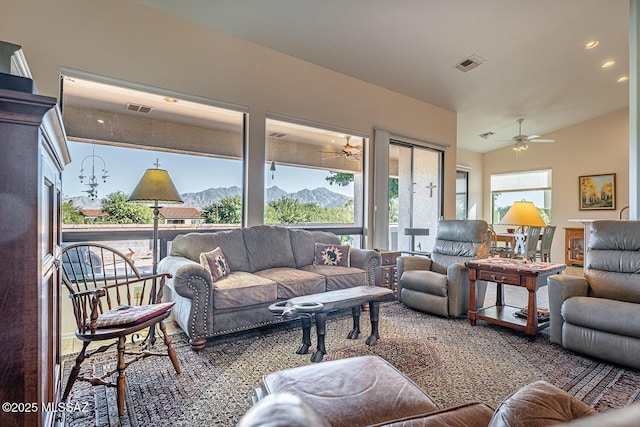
(321, 196)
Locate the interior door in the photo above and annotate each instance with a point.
(418, 171)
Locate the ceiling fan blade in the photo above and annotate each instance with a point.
(542, 140)
(530, 137)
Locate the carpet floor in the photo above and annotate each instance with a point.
(452, 361)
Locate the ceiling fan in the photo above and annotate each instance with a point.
(348, 151)
(521, 142)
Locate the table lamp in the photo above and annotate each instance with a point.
(523, 214)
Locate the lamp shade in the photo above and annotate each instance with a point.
(523, 213)
(155, 186)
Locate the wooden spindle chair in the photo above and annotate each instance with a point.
(112, 300)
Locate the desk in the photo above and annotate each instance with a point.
(528, 275)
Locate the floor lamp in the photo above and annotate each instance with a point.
(522, 214)
(155, 187)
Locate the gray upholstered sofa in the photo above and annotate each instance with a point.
(599, 314)
(267, 264)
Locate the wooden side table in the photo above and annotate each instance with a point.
(387, 273)
(514, 272)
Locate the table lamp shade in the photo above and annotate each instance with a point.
(523, 213)
(156, 186)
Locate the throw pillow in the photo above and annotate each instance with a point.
(327, 254)
(215, 263)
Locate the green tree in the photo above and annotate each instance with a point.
(340, 178)
(287, 210)
(343, 179)
(226, 211)
(71, 214)
(122, 211)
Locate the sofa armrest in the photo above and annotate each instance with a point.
(191, 288)
(561, 287)
(458, 289)
(539, 403)
(368, 260)
(405, 263)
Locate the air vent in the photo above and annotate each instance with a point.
(277, 135)
(469, 64)
(487, 134)
(139, 108)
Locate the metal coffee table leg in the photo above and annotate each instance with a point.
(321, 330)
(374, 312)
(355, 332)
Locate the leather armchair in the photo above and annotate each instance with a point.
(440, 284)
(599, 315)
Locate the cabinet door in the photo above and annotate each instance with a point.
(50, 199)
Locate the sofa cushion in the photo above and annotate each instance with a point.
(303, 241)
(539, 404)
(328, 254)
(425, 281)
(268, 247)
(231, 242)
(240, 288)
(294, 283)
(339, 277)
(215, 263)
(615, 317)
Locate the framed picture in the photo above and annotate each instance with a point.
(597, 192)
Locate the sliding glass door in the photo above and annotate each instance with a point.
(418, 206)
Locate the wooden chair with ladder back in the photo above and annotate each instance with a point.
(112, 300)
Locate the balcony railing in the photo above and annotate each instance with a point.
(135, 239)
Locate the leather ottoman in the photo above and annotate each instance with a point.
(355, 391)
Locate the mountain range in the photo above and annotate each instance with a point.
(321, 196)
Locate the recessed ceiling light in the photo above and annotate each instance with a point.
(608, 64)
(591, 44)
(623, 79)
(101, 121)
(170, 100)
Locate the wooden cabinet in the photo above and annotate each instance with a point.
(33, 152)
(574, 246)
(387, 274)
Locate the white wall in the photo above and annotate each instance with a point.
(124, 40)
(597, 146)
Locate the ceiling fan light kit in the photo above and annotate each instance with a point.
(521, 142)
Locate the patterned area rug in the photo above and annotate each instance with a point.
(454, 362)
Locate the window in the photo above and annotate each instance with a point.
(462, 194)
(313, 175)
(118, 132)
(532, 186)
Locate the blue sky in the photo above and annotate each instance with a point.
(190, 174)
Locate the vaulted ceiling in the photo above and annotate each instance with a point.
(534, 64)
